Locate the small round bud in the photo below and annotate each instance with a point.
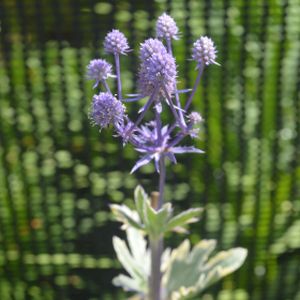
(116, 43)
(204, 51)
(98, 70)
(166, 27)
(106, 110)
(195, 118)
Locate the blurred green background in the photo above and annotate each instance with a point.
(58, 174)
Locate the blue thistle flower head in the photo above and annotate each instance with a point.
(166, 27)
(151, 46)
(106, 110)
(156, 71)
(98, 70)
(116, 43)
(204, 51)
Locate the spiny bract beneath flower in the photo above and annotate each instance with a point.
(166, 27)
(115, 42)
(151, 46)
(106, 110)
(204, 51)
(98, 70)
(157, 71)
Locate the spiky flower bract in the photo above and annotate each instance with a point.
(106, 110)
(116, 43)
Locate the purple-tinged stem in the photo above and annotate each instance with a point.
(142, 114)
(118, 73)
(162, 180)
(156, 248)
(173, 109)
(189, 101)
(158, 127)
(177, 101)
(106, 86)
(156, 245)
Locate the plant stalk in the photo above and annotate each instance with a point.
(118, 73)
(157, 245)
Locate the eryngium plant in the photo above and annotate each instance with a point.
(152, 272)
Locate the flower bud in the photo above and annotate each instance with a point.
(166, 27)
(98, 70)
(106, 110)
(195, 118)
(116, 43)
(204, 51)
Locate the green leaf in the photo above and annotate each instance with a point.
(156, 221)
(140, 198)
(127, 216)
(186, 217)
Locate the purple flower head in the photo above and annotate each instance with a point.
(204, 51)
(151, 46)
(157, 71)
(166, 27)
(106, 110)
(116, 43)
(98, 70)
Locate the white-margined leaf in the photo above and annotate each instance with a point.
(189, 271)
(127, 216)
(189, 216)
(135, 260)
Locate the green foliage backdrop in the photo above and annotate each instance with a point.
(58, 174)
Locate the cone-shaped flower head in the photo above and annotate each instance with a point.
(158, 68)
(106, 110)
(116, 43)
(151, 46)
(98, 70)
(166, 27)
(204, 51)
